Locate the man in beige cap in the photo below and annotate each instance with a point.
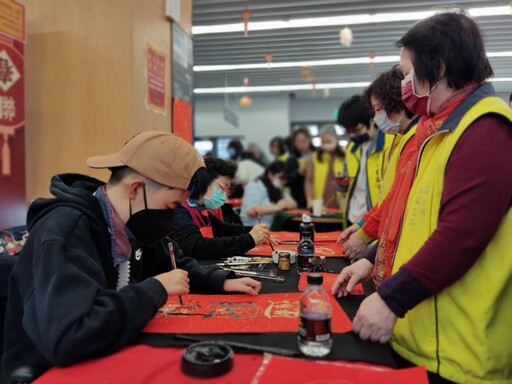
(96, 266)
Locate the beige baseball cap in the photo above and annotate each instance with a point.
(160, 156)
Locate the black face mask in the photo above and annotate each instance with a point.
(359, 139)
(149, 226)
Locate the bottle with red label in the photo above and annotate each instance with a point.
(315, 337)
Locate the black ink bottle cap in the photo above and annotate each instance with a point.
(207, 359)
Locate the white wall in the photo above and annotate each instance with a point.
(313, 110)
(267, 117)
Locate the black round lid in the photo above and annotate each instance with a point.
(315, 279)
(207, 359)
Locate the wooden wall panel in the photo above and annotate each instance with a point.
(78, 88)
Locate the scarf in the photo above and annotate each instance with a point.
(396, 199)
(120, 243)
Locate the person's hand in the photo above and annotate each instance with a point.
(175, 282)
(252, 212)
(260, 233)
(244, 284)
(285, 204)
(347, 233)
(274, 240)
(350, 276)
(374, 320)
(354, 248)
(309, 203)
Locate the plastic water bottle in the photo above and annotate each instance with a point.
(305, 255)
(315, 338)
(307, 228)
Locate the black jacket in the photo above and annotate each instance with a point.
(228, 240)
(63, 306)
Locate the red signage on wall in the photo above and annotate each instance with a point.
(155, 78)
(12, 118)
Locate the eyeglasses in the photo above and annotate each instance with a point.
(223, 187)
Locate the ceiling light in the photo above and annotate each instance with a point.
(340, 20)
(298, 87)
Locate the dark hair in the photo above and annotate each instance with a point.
(301, 131)
(387, 88)
(280, 144)
(217, 167)
(198, 183)
(452, 40)
(354, 111)
(237, 146)
(274, 194)
(338, 152)
(510, 97)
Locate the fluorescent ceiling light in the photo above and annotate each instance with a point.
(318, 63)
(279, 88)
(298, 87)
(339, 20)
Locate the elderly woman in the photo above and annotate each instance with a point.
(446, 293)
(392, 118)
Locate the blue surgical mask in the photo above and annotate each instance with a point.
(386, 125)
(217, 200)
(359, 139)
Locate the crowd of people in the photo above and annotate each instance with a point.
(425, 185)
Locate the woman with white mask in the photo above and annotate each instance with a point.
(264, 197)
(326, 164)
(392, 117)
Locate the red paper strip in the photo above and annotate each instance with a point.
(329, 279)
(275, 312)
(321, 249)
(207, 232)
(282, 370)
(319, 236)
(145, 364)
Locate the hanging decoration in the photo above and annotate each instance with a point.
(327, 93)
(346, 37)
(245, 101)
(371, 55)
(246, 81)
(246, 16)
(268, 58)
(306, 73)
(313, 89)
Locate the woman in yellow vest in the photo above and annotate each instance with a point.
(394, 119)
(326, 164)
(446, 297)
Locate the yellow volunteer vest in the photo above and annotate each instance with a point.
(321, 171)
(376, 164)
(389, 175)
(463, 333)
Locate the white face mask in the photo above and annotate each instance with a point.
(386, 125)
(329, 147)
(278, 183)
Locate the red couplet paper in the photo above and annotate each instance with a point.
(145, 364)
(273, 312)
(283, 370)
(321, 249)
(319, 236)
(329, 279)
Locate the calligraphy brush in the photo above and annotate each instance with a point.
(173, 262)
(270, 240)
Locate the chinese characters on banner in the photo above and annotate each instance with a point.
(155, 78)
(182, 119)
(275, 312)
(12, 114)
